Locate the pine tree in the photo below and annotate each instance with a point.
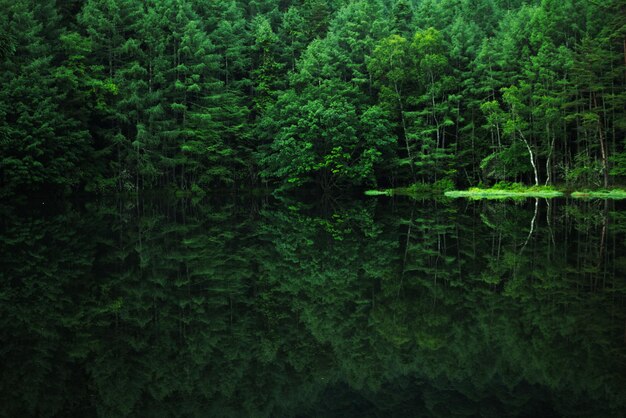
(40, 146)
(267, 69)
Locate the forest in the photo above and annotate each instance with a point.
(107, 96)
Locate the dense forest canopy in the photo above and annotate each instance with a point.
(126, 95)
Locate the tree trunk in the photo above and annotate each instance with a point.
(603, 151)
(406, 140)
(532, 158)
(549, 159)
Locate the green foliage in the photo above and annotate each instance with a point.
(619, 164)
(317, 134)
(127, 95)
(584, 172)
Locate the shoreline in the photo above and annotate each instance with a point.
(516, 192)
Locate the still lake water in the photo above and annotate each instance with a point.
(372, 308)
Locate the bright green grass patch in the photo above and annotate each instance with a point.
(507, 191)
(601, 194)
(501, 194)
(388, 192)
(501, 190)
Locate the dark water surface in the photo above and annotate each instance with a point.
(372, 308)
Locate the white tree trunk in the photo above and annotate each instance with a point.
(532, 158)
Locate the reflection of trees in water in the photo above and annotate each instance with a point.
(172, 308)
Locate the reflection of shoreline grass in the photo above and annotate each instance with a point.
(600, 194)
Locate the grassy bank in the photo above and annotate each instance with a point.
(476, 193)
(386, 192)
(506, 191)
(502, 190)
